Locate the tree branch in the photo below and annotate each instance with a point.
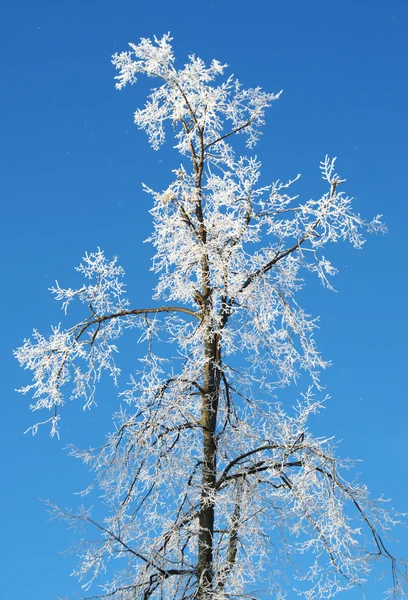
(281, 255)
(226, 135)
(260, 466)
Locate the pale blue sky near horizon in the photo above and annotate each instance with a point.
(72, 165)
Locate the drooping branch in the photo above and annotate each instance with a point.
(136, 553)
(146, 311)
(382, 549)
(224, 476)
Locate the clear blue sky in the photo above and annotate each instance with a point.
(72, 164)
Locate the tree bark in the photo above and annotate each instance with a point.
(205, 569)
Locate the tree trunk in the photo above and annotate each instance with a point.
(210, 395)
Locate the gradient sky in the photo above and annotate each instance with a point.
(72, 165)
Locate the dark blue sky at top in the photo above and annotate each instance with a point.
(72, 165)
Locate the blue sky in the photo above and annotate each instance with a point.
(72, 165)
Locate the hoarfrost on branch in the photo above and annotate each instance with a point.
(214, 488)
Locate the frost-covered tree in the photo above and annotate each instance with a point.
(213, 487)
